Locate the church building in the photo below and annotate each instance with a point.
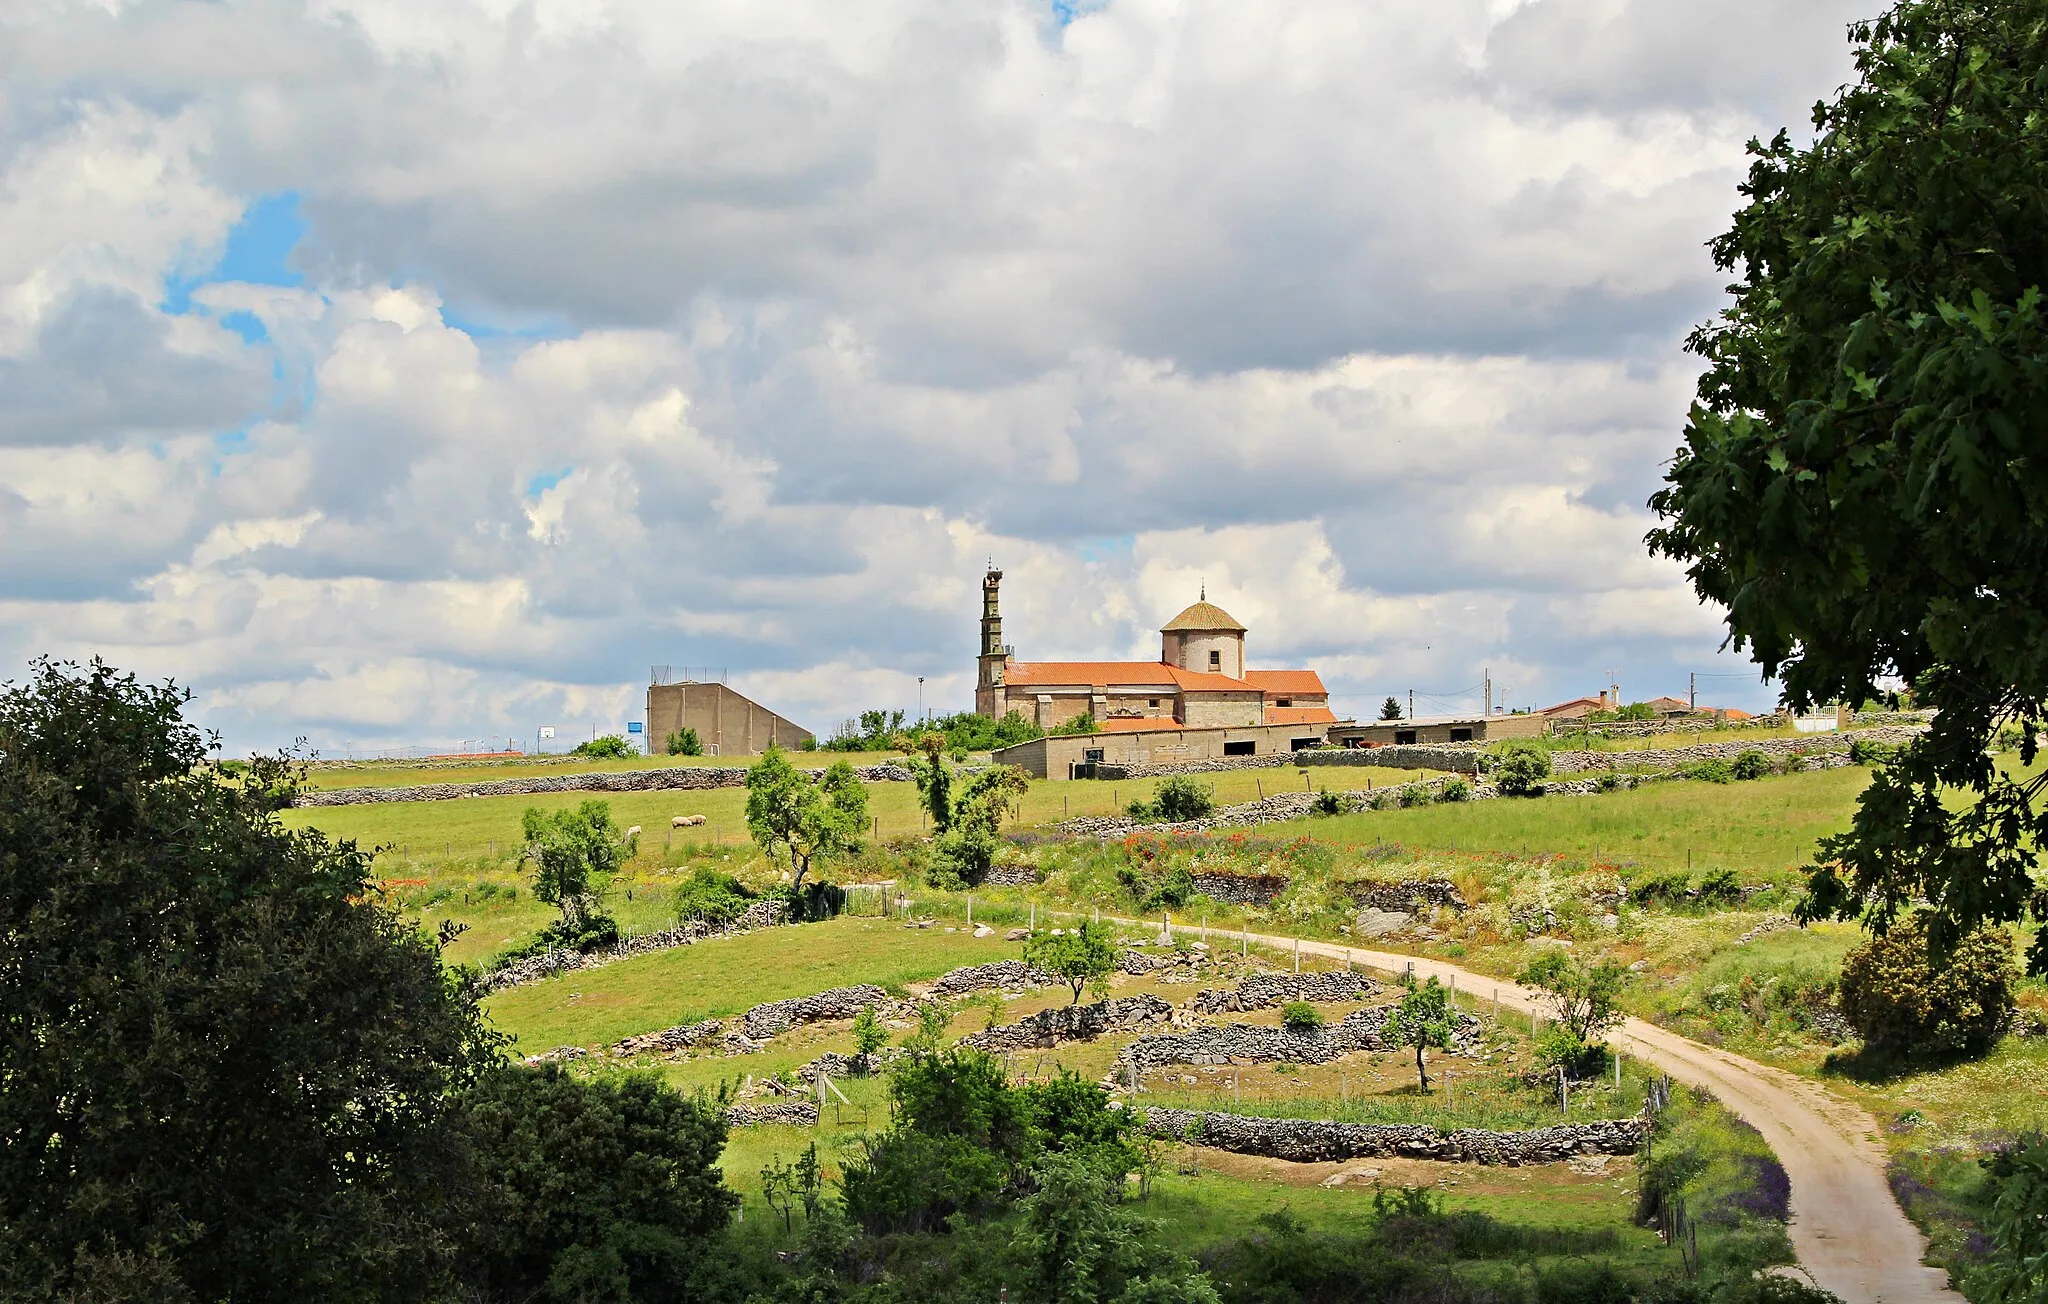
(1196, 702)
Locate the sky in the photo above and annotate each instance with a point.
(402, 373)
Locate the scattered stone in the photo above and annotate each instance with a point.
(1589, 1165)
(983, 930)
(559, 1055)
(1017, 935)
(1352, 1177)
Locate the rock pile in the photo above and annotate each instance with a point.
(1064, 1023)
(1321, 1141)
(1002, 975)
(771, 1017)
(1263, 991)
(1255, 1043)
(685, 777)
(1012, 876)
(668, 1041)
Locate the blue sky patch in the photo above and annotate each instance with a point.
(257, 250)
(547, 480)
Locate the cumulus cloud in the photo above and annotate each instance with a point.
(623, 333)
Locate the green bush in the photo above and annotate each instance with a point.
(1520, 767)
(1073, 726)
(588, 1188)
(1709, 771)
(1866, 751)
(1181, 798)
(610, 747)
(1903, 1004)
(1609, 781)
(2017, 1268)
(685, 742)
(708, 895)
(1752, 764)
(1327, 803)
(1300, 1016)
(1417, 794)
(1174, 891)
(1454, 789)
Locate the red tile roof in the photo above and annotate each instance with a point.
(1119, 674)
(1287, 683)
(1300, 715)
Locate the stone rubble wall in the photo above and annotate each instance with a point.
(668, 1041)
(1002, 975)
(1213, 765)
(1222, 1043)
(1458, 758)
(771, 1017)
(1263, 991)
(1310, 1141)
(1896, 717)
(1065, 1023)
(1011, 876)
(682, 778)
(836, 1065)
(1241, 889)
(761, 914)
(1137, 963)
(793, 1113)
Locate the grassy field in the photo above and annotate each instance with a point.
(1762, 824)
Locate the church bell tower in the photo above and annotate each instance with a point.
(994, 659)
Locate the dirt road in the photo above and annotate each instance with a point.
(1848, 1231)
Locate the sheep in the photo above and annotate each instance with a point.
(687, 821)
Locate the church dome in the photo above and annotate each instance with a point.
(1204, 617)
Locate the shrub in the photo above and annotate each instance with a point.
(685, 742)
(588, 1188)
(1719, 888)
(1454, 790)
(1300, 1016)
(1752, 764)
(1181, 798)
(1609, 781)
(2017, 1268)
(1901, 1003)
(1709, 771)
(1083, 723)
(1661, 889)
(1867, 751)
(1174, 891)
(1417, 794)
(1327, 803)
(1520, 767)
(869, 1035)
(609, 747)
(715, 898)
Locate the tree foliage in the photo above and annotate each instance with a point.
(573, 853)
(589, 1190)
(1390, 709)
(1863, 483)
(2016, 1270)
(1179, 797)
(225, 1059)
(792, 817)
(1520, 767)
(1584, 998)
(1423, 1019)
(684, 742)
(606, 747)
(1076, 956)
(1903, 1003)
(1074, 725)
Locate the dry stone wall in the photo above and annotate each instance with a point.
(1241, 889)
(1827, 746)
(684, 778)
(533, 968)
(669, 1041)
(1263, 991)
(1456, 758)
(1011, 876)
(1222, 1043)
(771, 1017)
(1064, 1023)
(1214, 765)
(792, 1113)
(1409, 894)
(1002, 975)
(1308, 1141)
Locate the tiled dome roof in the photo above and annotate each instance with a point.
(1205, 617)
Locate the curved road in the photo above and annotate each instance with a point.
(1848, 1231)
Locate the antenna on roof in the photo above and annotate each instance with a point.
(1205, 590)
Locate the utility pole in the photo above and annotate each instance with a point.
(1692, 690)
(1488, 677)
(1411, 704)
(920, 699)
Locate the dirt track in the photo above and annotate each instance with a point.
(1848, 1231)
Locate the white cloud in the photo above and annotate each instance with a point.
(794, 315)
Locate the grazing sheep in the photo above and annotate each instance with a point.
(633, 832)
(687, 821)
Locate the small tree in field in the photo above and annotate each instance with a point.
(572, 853)
(685, 742)
(1520, 768)
(1423, 1019)
(1583, 998)
(1075, 956)
(1390, 709)
(804, 821)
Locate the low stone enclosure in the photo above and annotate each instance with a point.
(1263, 991)
(1308, 1141)
(761, 914)
(1063, 1023)
(685, 778)
(1003, 975)
(765, 1020)
(1223, 1043)
(794, 1113)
